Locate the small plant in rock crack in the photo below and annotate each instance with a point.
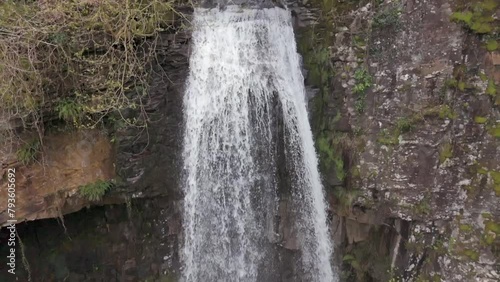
(95, 191)
(28, 152)
(359, 105)
(363, 80)
(405, 125)
(387, 18)
(69, 110)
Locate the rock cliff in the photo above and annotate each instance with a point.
(404, 106)
(407, 128)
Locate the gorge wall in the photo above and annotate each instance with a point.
(407, 126)
(404, 106)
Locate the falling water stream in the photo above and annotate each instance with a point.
(245, 96)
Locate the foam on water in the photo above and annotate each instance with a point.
(243, 64)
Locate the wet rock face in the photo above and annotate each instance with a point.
(149, 161)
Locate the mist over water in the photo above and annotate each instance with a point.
(245, 96)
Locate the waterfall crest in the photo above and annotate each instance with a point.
(245, 96)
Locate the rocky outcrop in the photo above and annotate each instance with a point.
(49, 187)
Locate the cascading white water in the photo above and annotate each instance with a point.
(244, 79)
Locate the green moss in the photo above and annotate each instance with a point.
(488, 239)
(163, 278)
(339, 167)
(451, 83)
(494, 130)
(491, 45)
(404, 125)
(495, 175)
(488, 5)
(486, 215)
(492, 226)
(482, 171)
(442, 111)
(462, 85)
(465, 17)
(387, 137)
(491, 89)
(95, 191)
(496, 181)
(478, 17)
(470, 189)
(467, 228)
(480, 119)
(363, 81)
(359, 41)
(446, 112)
(472, 254)
(482, 27)
(436, 278)
(355, 172)
(445, 152)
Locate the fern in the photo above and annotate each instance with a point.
(95, 191)
(28, 152)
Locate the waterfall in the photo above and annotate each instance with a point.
(245, 107)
